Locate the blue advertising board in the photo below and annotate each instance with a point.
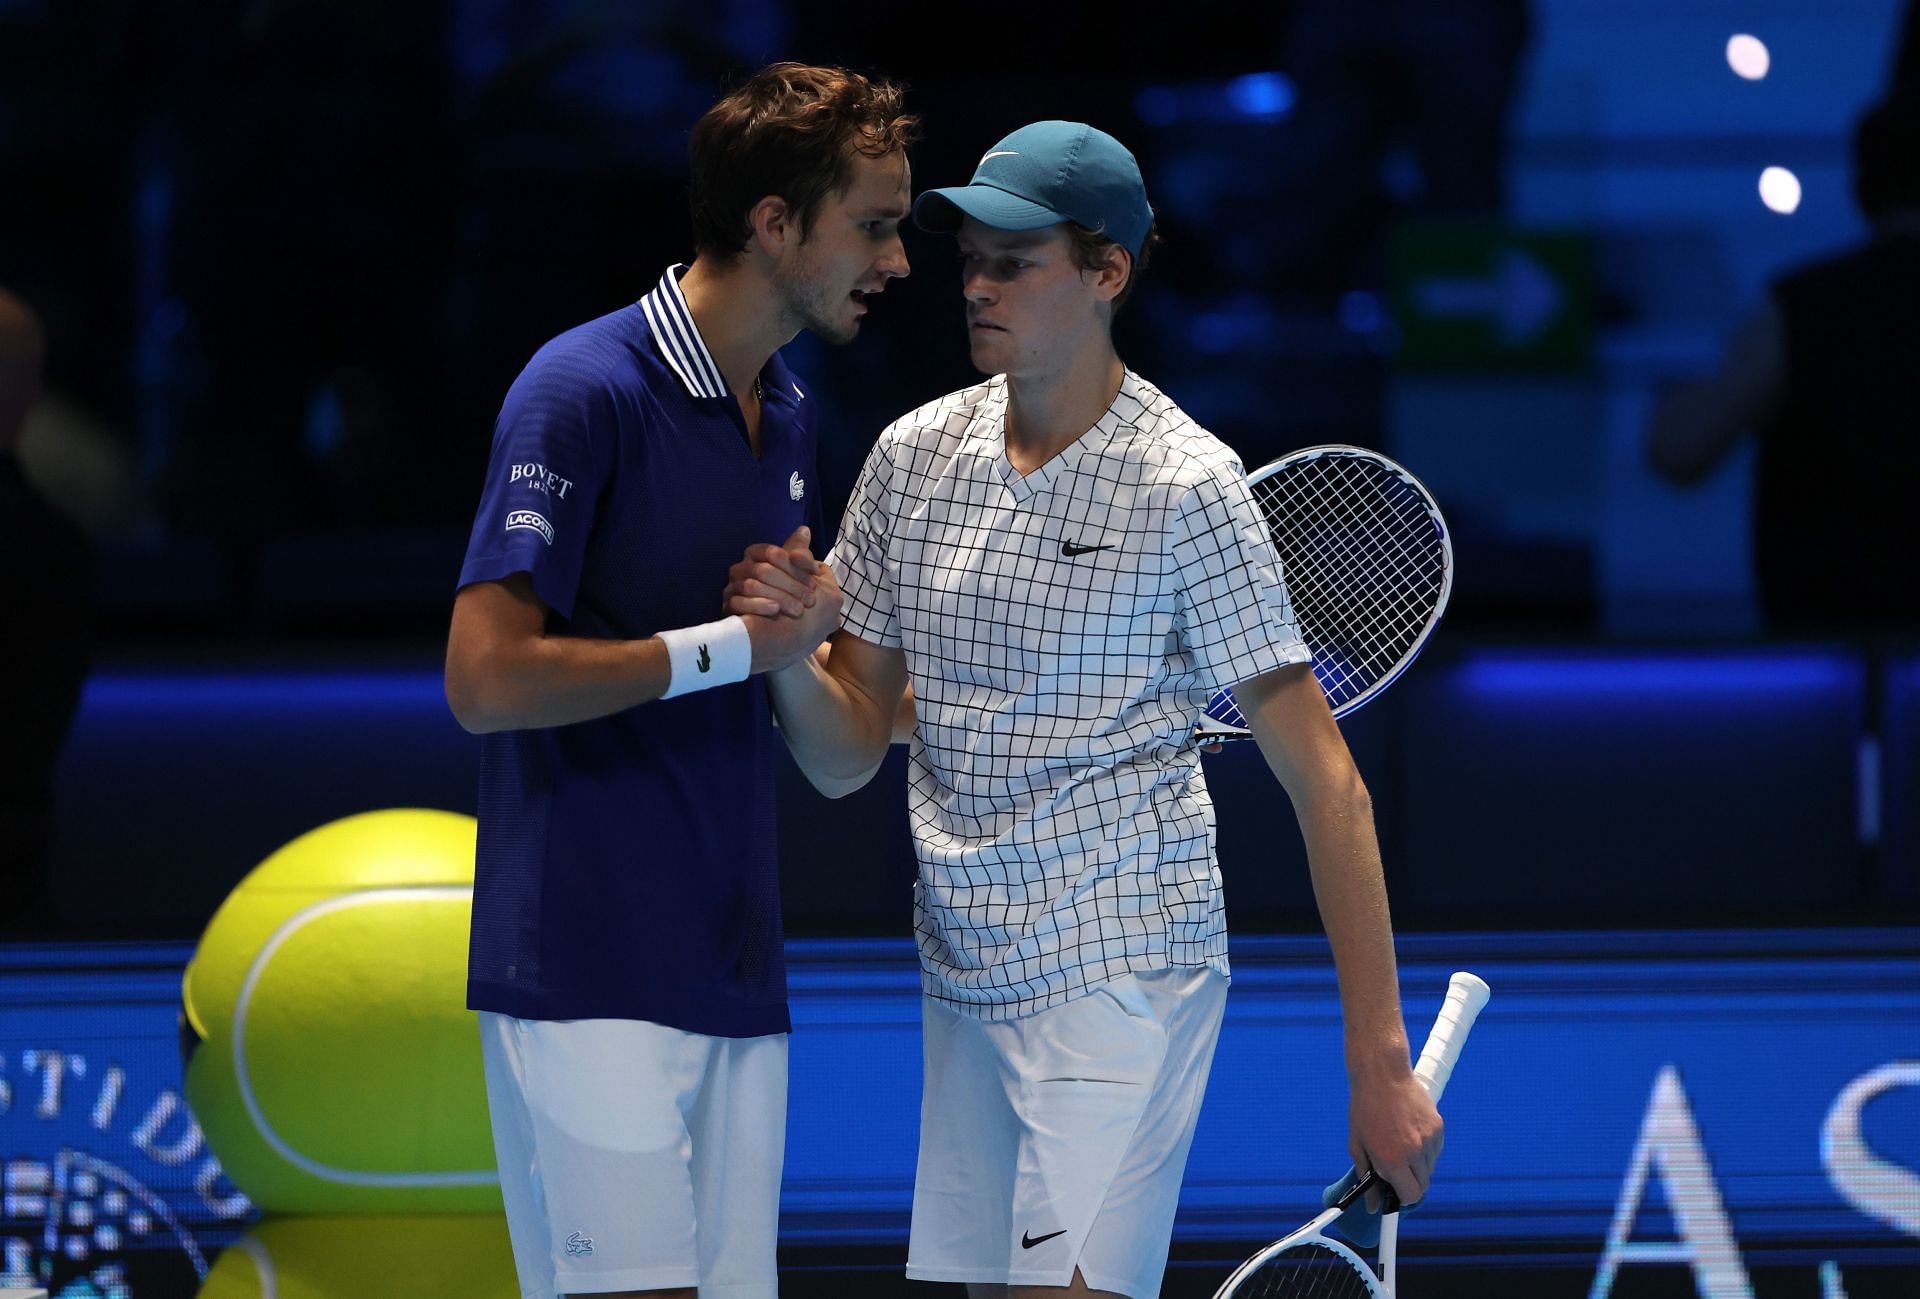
(1703, 1100)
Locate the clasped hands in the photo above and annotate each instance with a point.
(789, 600)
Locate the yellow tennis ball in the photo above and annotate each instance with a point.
(420, 1256)
(337, 1068)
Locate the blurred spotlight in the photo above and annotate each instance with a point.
(1263, 95)
(326, 422)
(1780, 190)
(1362, 313)
(1257, 97)
(1747, 56)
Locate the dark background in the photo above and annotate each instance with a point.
(290, 255)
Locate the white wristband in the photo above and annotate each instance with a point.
(712, 654)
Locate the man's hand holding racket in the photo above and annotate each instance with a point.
(1394, 1128)
(1310, 1264)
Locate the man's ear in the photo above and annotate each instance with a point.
(773, 225)
(1111, 279)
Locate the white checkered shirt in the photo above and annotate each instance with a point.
(1063, 631)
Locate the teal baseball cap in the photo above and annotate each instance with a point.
(1045, 174)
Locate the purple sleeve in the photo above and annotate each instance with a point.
(551, 448)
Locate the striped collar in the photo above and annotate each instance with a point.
(679, 338)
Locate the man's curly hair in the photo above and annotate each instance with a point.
(792, 130)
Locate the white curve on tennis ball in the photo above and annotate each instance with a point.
(307, 1164)
(263, 1267)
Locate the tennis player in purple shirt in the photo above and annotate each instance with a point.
(626, 955)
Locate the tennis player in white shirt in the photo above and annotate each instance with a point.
(1064, 567)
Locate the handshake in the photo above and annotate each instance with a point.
(789, 600)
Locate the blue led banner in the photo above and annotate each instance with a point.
(1690, 1095)
(1713, 1101)
(107, 1189)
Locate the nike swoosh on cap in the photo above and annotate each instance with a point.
(1001, 153)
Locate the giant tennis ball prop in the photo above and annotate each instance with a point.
(417, 1256)
(337, 1069)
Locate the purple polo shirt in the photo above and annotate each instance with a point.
(626, 865)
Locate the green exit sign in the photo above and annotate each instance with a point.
(1478, 297)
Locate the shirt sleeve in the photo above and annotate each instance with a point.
(1235, 618)
(860, 555)
(551, 446)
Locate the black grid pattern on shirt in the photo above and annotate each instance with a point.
(1063, 631)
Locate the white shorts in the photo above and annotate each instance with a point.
(637, 1157)
(1058, 1140)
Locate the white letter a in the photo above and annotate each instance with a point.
(1670, 1143)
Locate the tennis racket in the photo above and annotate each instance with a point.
(1368, 565)
(1309, 1264)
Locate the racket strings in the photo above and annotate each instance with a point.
(1376, 551)
(1364, 563)
(1374, 501)
(1352, 583)
(1308, 1271)
(1224, 707)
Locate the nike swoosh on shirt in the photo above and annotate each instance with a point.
(1069, 549)
(1028, 1242)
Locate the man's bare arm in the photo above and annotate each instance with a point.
(904, 718)
(1696, 425)
(505, 671)
(1394, 1126)
(839, 714)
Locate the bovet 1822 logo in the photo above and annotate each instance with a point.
(107, 1183)
(532, 523)
(540, 479)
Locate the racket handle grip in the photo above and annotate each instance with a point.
(1466, 994)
